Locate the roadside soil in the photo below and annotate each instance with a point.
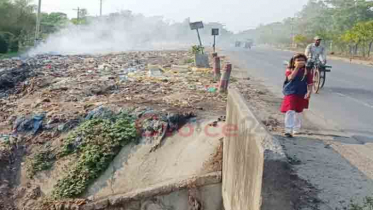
(318, 155)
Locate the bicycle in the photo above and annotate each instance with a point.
(319, 74)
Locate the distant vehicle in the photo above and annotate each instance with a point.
(247, 44)
(237, 44)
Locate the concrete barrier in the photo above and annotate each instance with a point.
(255, 168)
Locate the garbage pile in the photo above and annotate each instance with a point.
(64, 87)
(44, 98)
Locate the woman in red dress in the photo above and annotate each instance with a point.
(297, 90)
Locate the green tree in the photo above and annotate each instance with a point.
(343, 24)
(83, 18)
(300, 40)
(17, 18)
(362, 33)
(4, 43)
(52, 22)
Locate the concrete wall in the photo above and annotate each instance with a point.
(253, 162)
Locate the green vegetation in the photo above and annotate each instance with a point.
(196, 49)
(18, 22)
(367, 205)
(345, 25)
(96, 143)
(300, 40)
(52, 22)
(41, 161)
(9, 55)
(188, 61)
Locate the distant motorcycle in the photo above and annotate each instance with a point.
(247, 45)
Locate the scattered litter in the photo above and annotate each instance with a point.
(214, 124)
(180, 68)
(100, 112)
(212, 90)
(105, 67)
(205, 70)
(4, 138)
(34, 124)
(222, 118)
(155, 71)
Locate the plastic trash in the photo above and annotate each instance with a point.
(33, 124)
(4, 138)
(123, 78)
(99, 112)
(154, 72)
(212, 90)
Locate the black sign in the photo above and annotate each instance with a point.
(215, 32)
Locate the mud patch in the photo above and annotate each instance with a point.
(10, 162)
(215, 163)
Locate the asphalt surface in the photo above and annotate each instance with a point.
(344, 104)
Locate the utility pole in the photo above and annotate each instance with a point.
(78, 14)
(38, 20)
(292, 32)
(100, 8)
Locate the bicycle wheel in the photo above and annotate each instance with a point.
(322, 79)
(316, 80)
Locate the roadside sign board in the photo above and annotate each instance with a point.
(215, 32)
(196, 25)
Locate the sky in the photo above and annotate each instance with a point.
(237, 15)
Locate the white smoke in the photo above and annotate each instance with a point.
(118, 33)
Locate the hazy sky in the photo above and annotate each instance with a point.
(237, 15)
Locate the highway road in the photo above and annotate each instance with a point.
(345, 103)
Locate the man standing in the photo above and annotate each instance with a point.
(315, 51)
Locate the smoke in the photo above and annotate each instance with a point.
(117, 33)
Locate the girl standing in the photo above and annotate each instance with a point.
(297, 90)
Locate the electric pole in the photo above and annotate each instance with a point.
(38, 20)
(100, 8)
(78, 15)
(292, 32)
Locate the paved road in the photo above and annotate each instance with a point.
(345, 103)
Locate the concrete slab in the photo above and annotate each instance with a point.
(181, 155)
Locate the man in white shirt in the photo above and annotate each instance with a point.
(315, 51)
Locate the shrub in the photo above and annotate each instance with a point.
(196, 49)
(5, 41)
(96, 142)
(4, 45)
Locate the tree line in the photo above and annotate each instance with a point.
(345, 25)
(18, 21)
